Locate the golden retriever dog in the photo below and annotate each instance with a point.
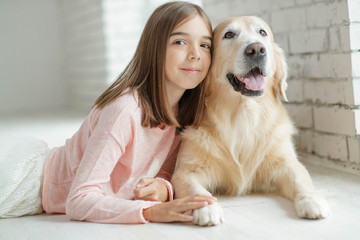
(244, 143)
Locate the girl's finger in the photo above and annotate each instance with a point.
(144, 182)
(201, 198)
(147, 198)
(144, 191)
(182, 217)
(187, 206)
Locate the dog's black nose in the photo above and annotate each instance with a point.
(255, 49)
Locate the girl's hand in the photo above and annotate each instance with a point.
(151, 189)
(174, 211)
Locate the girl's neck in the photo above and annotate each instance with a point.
(174, 98)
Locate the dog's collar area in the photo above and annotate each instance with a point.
(241, 87)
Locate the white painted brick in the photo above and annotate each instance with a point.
(289, 20)
(335, 120)
(354, 149)
(319, 15)
(282, 40)
(325, 14)
(295, 91)
(302, 2)
(357, 121)
(355, 35)
(330, 146)
(351, 93)
(339, 38)
(355, 63)
(335, 65)
(355, 91)
(347, 167)
(296, 65)
(354, 6)
(340, 12)
(279, 4)
(300, 114)
(308, 41)
(305, 140)
(209, 2)
(330, 92)
(247, 7)
(324, 145)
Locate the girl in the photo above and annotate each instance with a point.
(116, 168)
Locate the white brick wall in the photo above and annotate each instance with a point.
(328, 65)
(354, 150)
(302, 114)
(335, 120)
(309, 41)
(356, 90)
(330, 92)
(322, 41)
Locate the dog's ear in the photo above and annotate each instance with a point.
(280, 72)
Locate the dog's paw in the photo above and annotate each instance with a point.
(208, 216)
(312, 206)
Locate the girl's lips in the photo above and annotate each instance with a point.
(191, 70)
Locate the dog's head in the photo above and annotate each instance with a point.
(247, 59)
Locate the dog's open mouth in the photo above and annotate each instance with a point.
(251, 84)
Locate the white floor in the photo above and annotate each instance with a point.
(252, 217)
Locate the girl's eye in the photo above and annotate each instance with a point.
(229, 35)
(263, 33)
(205, 45)
(179, 42)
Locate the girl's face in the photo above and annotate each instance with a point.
(187, 58)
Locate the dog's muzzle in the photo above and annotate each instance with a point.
(253, 82)
(240, 86)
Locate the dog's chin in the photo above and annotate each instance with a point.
(240, 86)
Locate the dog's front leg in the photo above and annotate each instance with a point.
(190, 179)
(186, 184)
(294, 181)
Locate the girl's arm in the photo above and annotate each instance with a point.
(153, 189)
(175, 210)
(159, 188)
(168, 167)
(88, 202)
(87, 199)
(90, 197)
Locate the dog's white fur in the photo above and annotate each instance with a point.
(244, 144)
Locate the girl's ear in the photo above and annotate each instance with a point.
(280, 72)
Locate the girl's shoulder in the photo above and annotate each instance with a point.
(128, 101)
(123, 109)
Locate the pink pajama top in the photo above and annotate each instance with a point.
(93, 176)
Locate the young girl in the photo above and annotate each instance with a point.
(116, 168)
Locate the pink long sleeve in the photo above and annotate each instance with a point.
(93, 176)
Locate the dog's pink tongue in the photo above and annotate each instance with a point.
(253, 81)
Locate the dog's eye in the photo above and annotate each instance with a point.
(263, 33)
(229, 34)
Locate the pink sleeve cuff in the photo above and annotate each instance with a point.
(169, 188)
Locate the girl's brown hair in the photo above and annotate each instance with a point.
(144, 73)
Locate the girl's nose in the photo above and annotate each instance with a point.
(194, 53)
